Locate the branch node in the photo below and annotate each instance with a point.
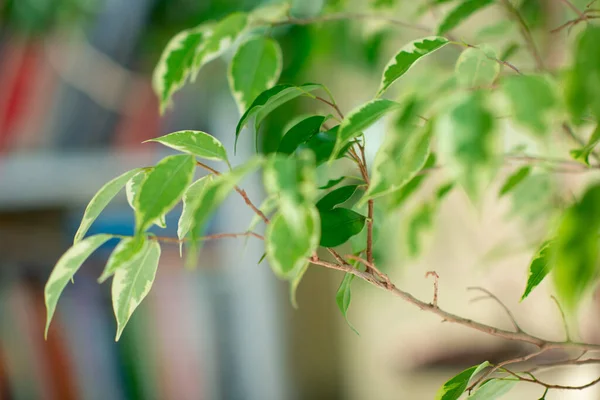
(492, 296)
(436, 279)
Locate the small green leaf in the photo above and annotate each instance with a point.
(64, 270)
(219, 39)
(331, 183)
(455, 387)
(402, 155)
(196, 143)
(100, 201)
(539, 267)
(460, 13)
(295, 282)
(292, 180)
(269, 100)
(338, 225)
(131, 284)
(467, 143)
(576, 248)
(407, 57)
(344, 296)
(162, 189)
(300, 133)
(322, 145)
(360, 119)
(126, 251)
(336, 197)
(477, 67)
(583, 154)
(493, 389)
(418, 223)
(532, 101)
(514, 179)
(132, 189)
(190, 199)
(400, 196)
(175, 64)
(255, 67)
(269, 13)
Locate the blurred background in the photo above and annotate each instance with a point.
(76, 104)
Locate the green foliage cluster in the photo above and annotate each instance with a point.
(458, 122)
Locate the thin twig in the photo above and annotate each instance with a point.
(574, 8)
(492, 296)
(436, 279)
(564, 319)
(371, 267)
(332, 105)
(526, 33)
(569, 132)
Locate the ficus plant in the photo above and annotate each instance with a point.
(456, 122)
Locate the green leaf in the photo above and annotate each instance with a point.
(583, 154)
(269, 100)
(196, 143)
(338, 225)
(269, 13)
(460, 13)
(583, 80)
(132, 189)
(401, 156)
(322, 145)
(407, 57)
(175, 64)
(360, 119)
(532, 101)
(336, 197)
(477, 67)
(289, 242)
(493, 389)
(344, 296)
(401, 195)
(418, 223)
(255, 67)
(64, 270)
(126, 251)
(514, 179)
(539, 267)
(295, 282)
(292, 180)
(331, 183)
(467, 143)
(100, 201)
(300, 133)
(190, 199)
(162, 189)
(455, 387)
(576, 248)
(219, 39)
(131, 284)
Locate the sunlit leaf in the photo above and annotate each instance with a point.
(132, 189)
(196, 143)
(477, 67)
(132, 282)
(360, 119)
(576, 248)
(338, 225)
(407, 57)
(162, 189)
(300, 133)
(400, 196)
(64, 270)
(539, 267)
(336, 197)
(190, 198)
(126, 251)
(532, 101)
(269, 13)
(101, 200)
(493, 389)
(460, 13)
(455, 387)
(514, 179)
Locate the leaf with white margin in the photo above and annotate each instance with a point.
(175, 64)
(196, 143)
(126, 251)
(192, 195)
(219, 39)
(255, 67)
(407, 57)
(162, 189)
(360, 119)
(131, 284)
(64, 270)
(101, 200)
(132, 188)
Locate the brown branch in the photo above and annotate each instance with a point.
(492, 296)
(241, 192)
(332, 105)
(436, 279)
(526, 33)
(574, 8)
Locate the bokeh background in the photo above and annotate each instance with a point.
(76, 104)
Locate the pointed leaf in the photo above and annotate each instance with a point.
(255, 67)
(455, 387)
(300, 133)
(494, 389)
(132, 282)
(270, 13)
(460, 13)
(583, 154)
(196, 143)
(100, 201)
(338, 225)
(514, 179)
(477, 67)
(532, 101)
(64, 270)
(540, 267)
(190, 199)
(400, 196)
(132, 189)
(322, 145)
(162, 189)
(360, 119)
(126, 251)
(407, 57)
(336, 197)
(331, 183)
(344, 296)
